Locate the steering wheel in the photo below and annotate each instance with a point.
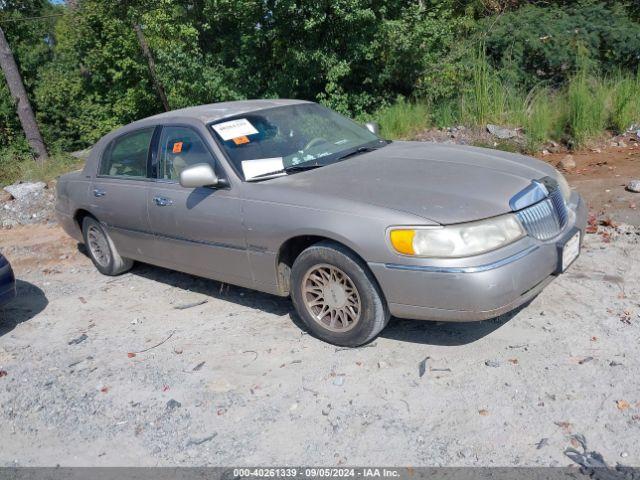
(315, 141)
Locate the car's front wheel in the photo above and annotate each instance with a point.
(101, 249)
(336, 295)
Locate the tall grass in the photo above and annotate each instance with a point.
(486, 99)
(18, 164)
(445, 113)
(402, 119)
(587, 107)
(543, 117)
(578, 113)
(625, 101)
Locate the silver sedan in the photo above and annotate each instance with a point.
(293, 199)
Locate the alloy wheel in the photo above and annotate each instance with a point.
(98, 246)
(331, 298)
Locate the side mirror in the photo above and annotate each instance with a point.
(373, 127)
(200, 175)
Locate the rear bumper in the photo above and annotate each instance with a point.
(69, 225)
(486, 287)
(7, 282)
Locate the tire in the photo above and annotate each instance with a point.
(330, 270)
(101, 249)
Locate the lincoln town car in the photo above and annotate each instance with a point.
(291, 198)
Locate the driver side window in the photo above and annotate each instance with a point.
(180, 147)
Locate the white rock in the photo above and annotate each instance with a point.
(634, 186)
(501, 132)
(8, 224)
(220, 385)
(82, 154)
(23, 191)
(567, 163)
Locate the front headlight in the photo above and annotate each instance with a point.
(461, 240)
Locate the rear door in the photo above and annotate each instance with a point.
(198, 230)
(119, 193)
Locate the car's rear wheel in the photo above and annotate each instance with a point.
(101, 249)
(336, 295)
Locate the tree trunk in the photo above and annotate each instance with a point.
(23, 106)
(152, 67)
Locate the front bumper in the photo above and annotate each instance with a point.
(7, 282)
(480, 288)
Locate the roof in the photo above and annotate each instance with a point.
(216, 111)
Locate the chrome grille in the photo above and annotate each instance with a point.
(559, 206)
(545, 219)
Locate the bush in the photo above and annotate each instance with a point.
(85, 73)
(545, 43)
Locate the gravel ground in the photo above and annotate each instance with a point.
(109, 371)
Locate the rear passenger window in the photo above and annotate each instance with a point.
(180, 147)
(127, 155)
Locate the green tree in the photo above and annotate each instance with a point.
(31, 43)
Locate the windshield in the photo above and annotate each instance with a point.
(290, 138)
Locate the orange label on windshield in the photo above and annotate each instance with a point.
(241, 140)
(177, 147)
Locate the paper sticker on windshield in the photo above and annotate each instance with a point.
(253, 168)
(234, 129)
(177, 147)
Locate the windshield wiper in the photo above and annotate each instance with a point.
(357, 151)
(308, 166)
(289, 169)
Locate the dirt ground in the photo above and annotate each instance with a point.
(114, 371)
(601, 178)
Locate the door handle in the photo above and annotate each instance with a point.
(99, 193)
(162, 201)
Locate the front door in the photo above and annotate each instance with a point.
(119, 194)
(197, 230)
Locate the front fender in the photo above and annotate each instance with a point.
(269, 225)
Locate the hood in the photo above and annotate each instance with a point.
(442, 183)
